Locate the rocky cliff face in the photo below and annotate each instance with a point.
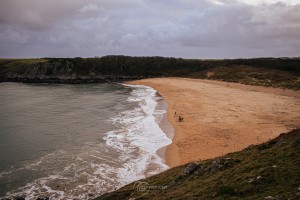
(60, 71)
(43, 70)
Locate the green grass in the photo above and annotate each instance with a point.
(252, 76)
(23, 62)
(7, 64)
(269, 169)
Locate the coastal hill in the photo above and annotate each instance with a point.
(267, 171)
(275, 72)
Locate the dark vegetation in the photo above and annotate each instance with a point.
(275, 72)
(267, 171)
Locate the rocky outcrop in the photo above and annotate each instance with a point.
(199, 169)
(59, 71)
(191, 168)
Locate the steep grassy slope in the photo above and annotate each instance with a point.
(267, 171)
(250, 75)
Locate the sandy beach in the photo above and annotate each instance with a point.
(221, 117)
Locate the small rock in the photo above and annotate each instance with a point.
(200, 170)
(269, 197)
(251, 180)
(191, 168)
(217, 165)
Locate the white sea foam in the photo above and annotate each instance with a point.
(141, 138)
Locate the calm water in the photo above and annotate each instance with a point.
(77, 141)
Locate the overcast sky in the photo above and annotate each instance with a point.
(177, 28)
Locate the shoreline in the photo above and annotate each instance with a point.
(165, 126)
(221, 117)
(156, 163)
(169, 154)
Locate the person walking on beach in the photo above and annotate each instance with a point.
(180, 119)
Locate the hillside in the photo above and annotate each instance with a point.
(275, 72)
(267, 171)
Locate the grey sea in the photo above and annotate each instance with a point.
(77, 141)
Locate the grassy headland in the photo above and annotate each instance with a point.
(274, 72)
(267, 171)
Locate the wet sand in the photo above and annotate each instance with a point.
(221, 117)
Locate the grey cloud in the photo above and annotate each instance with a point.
(184, 28)
(246, 26)
(9, 36)
(33, 14)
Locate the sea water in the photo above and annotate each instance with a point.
(77, 141)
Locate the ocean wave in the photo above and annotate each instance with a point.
(142, 137)
(128, 154)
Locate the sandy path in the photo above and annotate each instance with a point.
(221, 118)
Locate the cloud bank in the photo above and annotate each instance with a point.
(179, 28)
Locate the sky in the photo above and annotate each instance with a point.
(171, 28)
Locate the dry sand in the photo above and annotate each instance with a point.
(221, 117)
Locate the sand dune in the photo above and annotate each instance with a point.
(222, 117)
